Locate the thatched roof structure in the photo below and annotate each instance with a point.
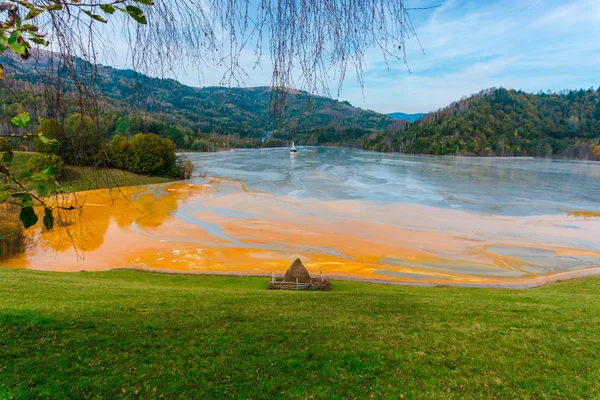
(297, 273)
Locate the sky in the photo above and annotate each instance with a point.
(466, 46)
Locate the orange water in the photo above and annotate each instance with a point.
(221, 227)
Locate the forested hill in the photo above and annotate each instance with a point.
(194, 117)
(500, 122)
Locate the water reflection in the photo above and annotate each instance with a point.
(506, 186)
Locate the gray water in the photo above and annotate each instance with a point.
(502, 186)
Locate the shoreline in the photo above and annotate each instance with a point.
(523, 284)
(521, 157)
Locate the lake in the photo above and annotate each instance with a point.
(347, 213)
(504, 186)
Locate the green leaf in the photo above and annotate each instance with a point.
(94, 16)
(22, 120)
(51, 143)
(46, 140)
(3, 196)
(29, 28)
(27, 201)
(39, 177)
(3, 42)
(52, 172)
(136, 14)
(145, 2)
(68, 189)
(42, 190)
(48, 219)
(33, 12)
(15, 45)
(38, 40)
(107, 8)
(28, 217)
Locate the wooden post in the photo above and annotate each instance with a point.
(296, 283)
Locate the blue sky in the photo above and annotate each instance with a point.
(530, 45)
(468, 46)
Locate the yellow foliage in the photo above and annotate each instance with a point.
(596, 152)
(12, 238)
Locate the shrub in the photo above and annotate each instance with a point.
(153, 155)
(12, 237)
(120, 152)
(145, 154)
(596, 152)
(40, 162)
(185, 168)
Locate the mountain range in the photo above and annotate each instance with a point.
(192, 115)
(400, 116)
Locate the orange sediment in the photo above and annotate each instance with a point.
(584, 214)
(221, 227)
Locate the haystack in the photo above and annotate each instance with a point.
(297, 273)
(298, 278)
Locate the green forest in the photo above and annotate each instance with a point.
(501, 122)
(200, 119)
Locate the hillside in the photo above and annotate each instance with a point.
(400, 116)
(501, 122)
(188, 115)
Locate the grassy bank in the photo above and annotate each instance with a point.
(127, 334)
(88, 178)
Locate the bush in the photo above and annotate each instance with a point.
(4, 144)
(596, 153)
(12, 237)
(40, 162)
(145, 154)
(185, 168)
(120, 152)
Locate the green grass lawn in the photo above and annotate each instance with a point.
(88, 178)
(131, 334)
